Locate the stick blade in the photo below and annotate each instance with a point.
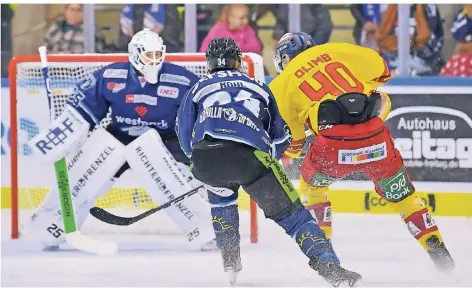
(109, 218)
(80, 242)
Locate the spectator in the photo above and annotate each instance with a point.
(67, 34)
(460, 64)
(367, 18)
(160, 18)
(315, 20)
(204, 18)
(426, 38)
(234, 23)
(7, 43)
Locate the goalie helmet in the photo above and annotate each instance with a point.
(289, 46)
(146, 53)
(223, 54)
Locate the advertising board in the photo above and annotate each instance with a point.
(430, 122)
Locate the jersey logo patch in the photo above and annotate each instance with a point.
(363, 155)
(428, 220)
(177, 79)
(140, 98)
(115, 73)
(169, 92)
(161, 124)
(115, 87)
(141, 110)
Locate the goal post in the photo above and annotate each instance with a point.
(29, 182)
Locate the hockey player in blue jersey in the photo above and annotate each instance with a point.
(230, 126)
(141, 97)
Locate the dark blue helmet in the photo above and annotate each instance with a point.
(289, 46)
(223, 54)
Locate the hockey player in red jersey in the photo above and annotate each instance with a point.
(332, 89)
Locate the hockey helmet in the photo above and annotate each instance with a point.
(146, 53)
(289, 46)
(223, 54)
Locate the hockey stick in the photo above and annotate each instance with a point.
(73, 237)
(109, 218)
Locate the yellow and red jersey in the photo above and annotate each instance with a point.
(324, 72)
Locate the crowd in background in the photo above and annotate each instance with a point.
(375, 27)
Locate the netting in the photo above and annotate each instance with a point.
(63, 77)
(34, 181)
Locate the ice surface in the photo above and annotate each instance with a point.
(377, 246)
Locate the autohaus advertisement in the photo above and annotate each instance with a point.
(434, 135)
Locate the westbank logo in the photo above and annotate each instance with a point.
(422, 134)
(138, 122)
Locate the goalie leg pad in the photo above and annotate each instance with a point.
(46, 221)
(150, 160)
(90, 176)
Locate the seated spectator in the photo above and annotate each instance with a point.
(426, 38)
(367, 19)
(460, 64)
(234, 23)
(204, 18)
(7, 11)
(67, 34)
(161, 18)
(315, 20)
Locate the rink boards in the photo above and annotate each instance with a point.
(448, 199)
(456, 201)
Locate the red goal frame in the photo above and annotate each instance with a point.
(12, 69)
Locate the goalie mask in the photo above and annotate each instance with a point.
(289, 46)
(146, 53)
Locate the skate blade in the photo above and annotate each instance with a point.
(346, 283)
(232, 275)
(355, 283)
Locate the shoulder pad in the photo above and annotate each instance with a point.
(176, 79)
(115, 73)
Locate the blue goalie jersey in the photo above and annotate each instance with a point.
(231, 105)
(136, 105)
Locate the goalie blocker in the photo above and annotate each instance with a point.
(91, 169)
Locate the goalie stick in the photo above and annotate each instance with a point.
(72, 236)
(109, 218)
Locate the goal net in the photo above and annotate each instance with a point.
(30, 113)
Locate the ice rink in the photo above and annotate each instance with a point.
(379, 247)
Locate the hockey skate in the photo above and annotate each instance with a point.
(334, 274)
(441, 257)
(232, 262)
